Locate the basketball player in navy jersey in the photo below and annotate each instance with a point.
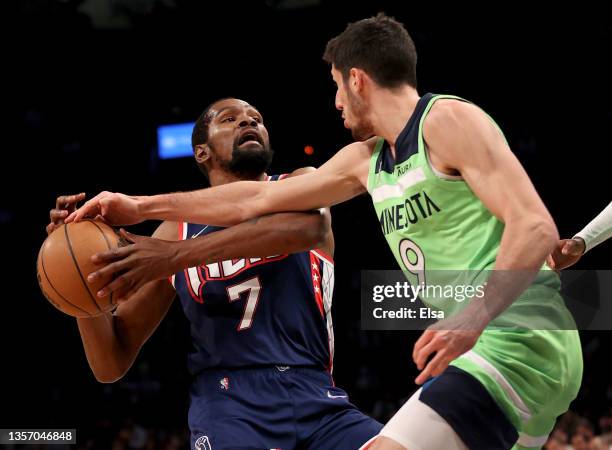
(258, 297)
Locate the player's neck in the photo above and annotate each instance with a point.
(391, 110)
(219, 177)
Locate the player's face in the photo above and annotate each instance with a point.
(238, 138)
(354, 109)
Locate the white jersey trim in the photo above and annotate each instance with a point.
(525, 440)
(182, 236)
(522, 409)
(324, 258)
(387, 191)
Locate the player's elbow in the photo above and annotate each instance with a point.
(110, 371)
(107, 378)
(544, 231)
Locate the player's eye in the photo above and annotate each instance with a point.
(229, 119)
(257, 119)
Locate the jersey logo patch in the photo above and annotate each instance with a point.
(329, 395)
(224, 382)
(203, 443)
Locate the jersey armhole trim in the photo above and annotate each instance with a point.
(324, 256)
(372, 172)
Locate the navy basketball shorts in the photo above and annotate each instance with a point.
(274, 408)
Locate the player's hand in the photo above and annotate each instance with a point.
(64, 206)
(146, 259)
(112, 207)
(448, 339)
(566, 253)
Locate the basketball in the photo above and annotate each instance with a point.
(64, 262)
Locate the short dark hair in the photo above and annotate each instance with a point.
(199, 135)
(380, 46)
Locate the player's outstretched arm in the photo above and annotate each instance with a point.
(341, 178)
(460, 136)
(112, 341)
(153, 259)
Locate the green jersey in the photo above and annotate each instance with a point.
(440, 232)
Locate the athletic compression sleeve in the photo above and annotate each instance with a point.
(598, 230)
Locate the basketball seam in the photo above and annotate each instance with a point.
(109, 247)
(76, 264)
(42, 263)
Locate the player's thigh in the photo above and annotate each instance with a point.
(416, 426)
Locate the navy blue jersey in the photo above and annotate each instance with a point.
(254, 312)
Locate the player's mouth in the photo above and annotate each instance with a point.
(251, 136)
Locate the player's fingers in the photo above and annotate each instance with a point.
(425, 352)
(50, 228)
(107, 270)
(577, 247)
(572, 247)
(89, 208)
(550, 261)
(64, 201)
(77, 214)
(435, 367)
(568, 247)
(114, 254)
(85, 210)
(58, 215)
(121, 282)
(425, 338)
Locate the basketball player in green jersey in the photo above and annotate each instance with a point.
(450, 195)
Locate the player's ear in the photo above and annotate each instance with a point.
(356, 79)
(202, 153)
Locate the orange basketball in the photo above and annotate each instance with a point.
(64, 262)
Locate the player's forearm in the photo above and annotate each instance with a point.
(112, 341)
(224, 205)
(525, 244)
(280, 233)
(104, 352)
(598, 230)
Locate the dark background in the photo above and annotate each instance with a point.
(84, 97)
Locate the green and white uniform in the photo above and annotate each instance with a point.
(529, 359)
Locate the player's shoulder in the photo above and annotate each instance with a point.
(167, 230)
(453, 120)
(449, 111)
